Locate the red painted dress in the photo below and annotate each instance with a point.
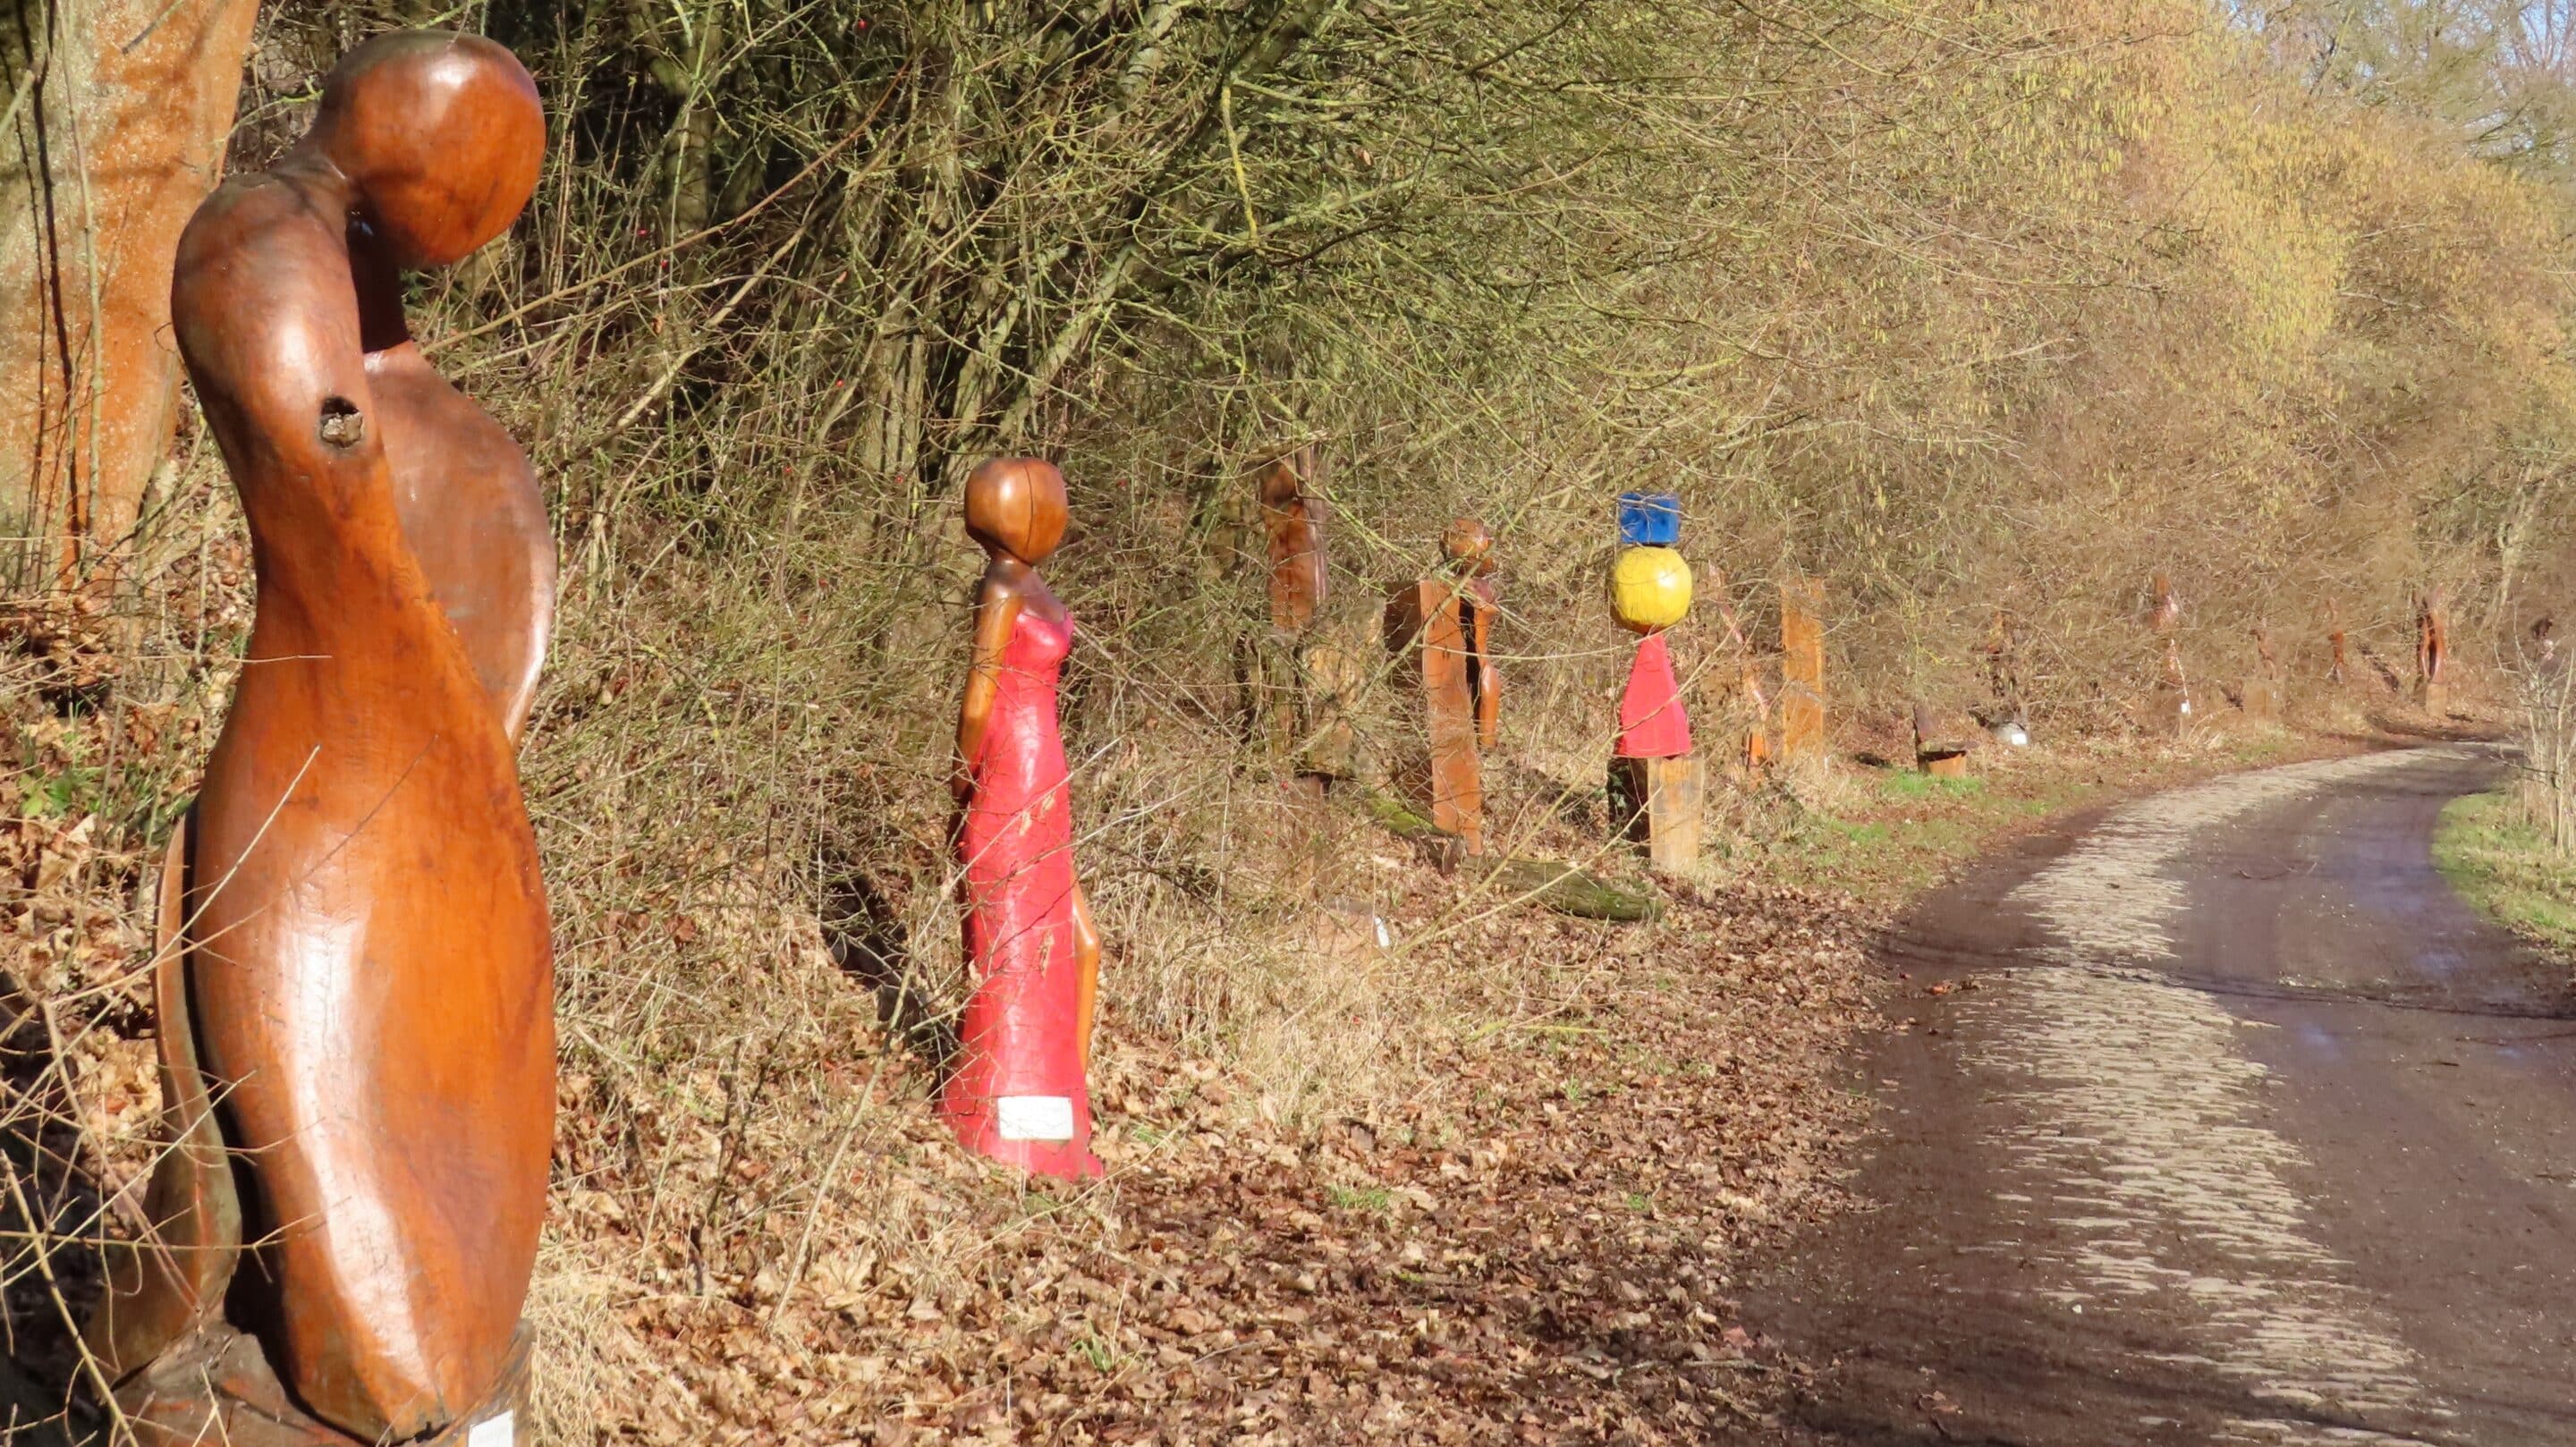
(1018, 1093)
(1651, 722)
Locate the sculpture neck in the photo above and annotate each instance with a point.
(378, 283)
(374, 275)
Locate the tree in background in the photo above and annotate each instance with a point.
(117, 116)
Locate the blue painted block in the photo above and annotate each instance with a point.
(1649, 519)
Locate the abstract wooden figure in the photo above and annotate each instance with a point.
(2433, 651)
(356, 979)
(1802, 668)
(1656, 784)
(1018, 1091)
(2169, 708)
(1442, 628)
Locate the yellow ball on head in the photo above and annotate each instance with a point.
(1650, 588)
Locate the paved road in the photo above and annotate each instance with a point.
(2239, 1128)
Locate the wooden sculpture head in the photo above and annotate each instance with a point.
(1015, 507)
(2164, 608)
(439, 137)
(1467, 546)
(1282, 480)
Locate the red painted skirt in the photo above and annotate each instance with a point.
(1018, 1093)
(1651, 722)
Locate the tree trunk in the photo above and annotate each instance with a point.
(117, 114)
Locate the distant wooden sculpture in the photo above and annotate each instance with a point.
(1938, 751)
(2544, 641)
(1293, 520)
(1656, 784)
(1306, 680)
(356, 979)
(1018, 1092)
(2338, 654)
(2262, 699)
(1755, 754)
(2433, 651)
(1802, 668)
(1442, 627)
(119, 132)
(2003, 667)
(2168, 709)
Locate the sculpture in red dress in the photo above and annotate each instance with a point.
(1018, 1093)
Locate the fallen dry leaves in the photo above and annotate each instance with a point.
(1537, 1247)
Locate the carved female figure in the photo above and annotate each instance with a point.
(1018, 1092)
(357, 979)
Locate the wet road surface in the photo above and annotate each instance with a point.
(2237, 1126)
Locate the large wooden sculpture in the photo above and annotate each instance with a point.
(1442, 628)
(1802, 668)
(1656, 785)
(1017, 1092)
(356, 992)
(2433, 652)
(1293, 521)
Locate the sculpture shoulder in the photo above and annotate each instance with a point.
(262, 283)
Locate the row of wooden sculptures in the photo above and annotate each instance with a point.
(1440, 628)
(353, 969)
(2170, 707)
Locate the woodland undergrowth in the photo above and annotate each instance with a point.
(1979, 312)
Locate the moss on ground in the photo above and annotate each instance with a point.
(2502, 863)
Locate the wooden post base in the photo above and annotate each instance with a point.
(1656, 803)
(2262, 701)
(1943, 765)
(216, 1385)
(2169, 711)
(2433, 698)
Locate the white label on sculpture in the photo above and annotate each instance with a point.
(1027, 1118)
(501, 1431)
